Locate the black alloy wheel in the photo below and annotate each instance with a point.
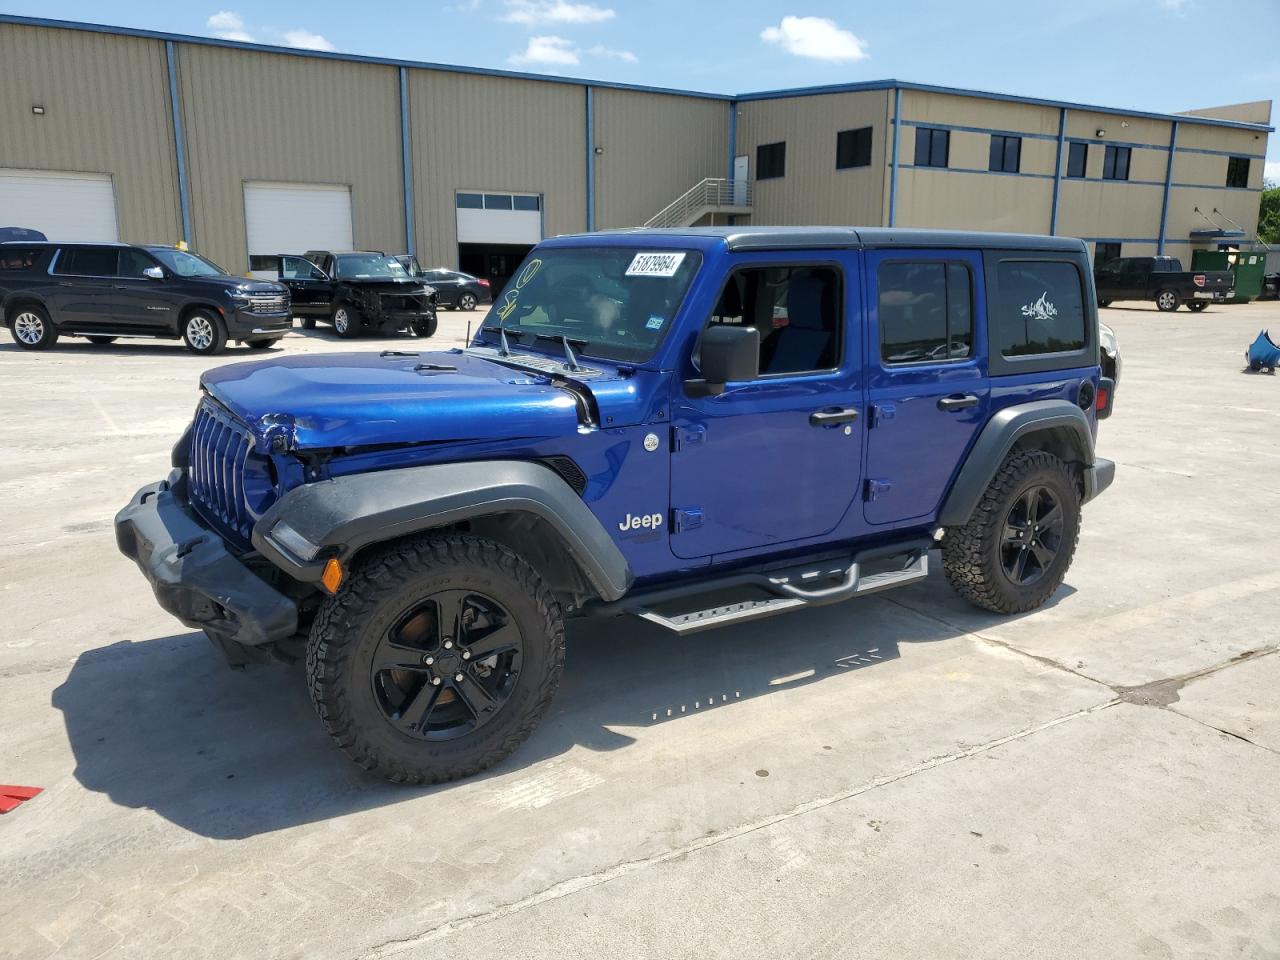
(447, 665)
(1032, 536)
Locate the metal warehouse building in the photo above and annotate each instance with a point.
(247, 151)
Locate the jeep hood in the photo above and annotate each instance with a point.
(323, 401)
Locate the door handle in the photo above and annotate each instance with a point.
(958, 403)
(64, 283)
(121, 286)
(829, 418)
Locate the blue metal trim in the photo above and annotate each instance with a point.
(893, 177)
(1168, 181)
(591, 161)
(983, 130)
(1217, 186)
(1057, 171)
(1222, 153)
(1154, 240)
(406, 164)
(733, 135)
(179, 141)
(578, 81)
(992, 173)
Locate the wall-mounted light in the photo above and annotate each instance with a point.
(599, 151)
(38, 109)
(1099, 132)
(1124, 123)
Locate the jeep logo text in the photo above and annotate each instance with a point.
(650, 521)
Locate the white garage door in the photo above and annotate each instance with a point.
(61, 205)
(293, 217)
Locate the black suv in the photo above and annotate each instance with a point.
(102, 291)
(357, 291)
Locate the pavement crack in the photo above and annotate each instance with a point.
(573, 885)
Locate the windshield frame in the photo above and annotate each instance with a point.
(342, 258)
(547, 341)
(160, 255)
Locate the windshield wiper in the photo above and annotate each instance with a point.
(565, 340)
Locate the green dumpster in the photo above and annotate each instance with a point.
(1248, 267)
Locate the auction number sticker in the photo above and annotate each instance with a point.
(655, 264)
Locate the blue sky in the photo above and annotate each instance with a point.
(1164, 55)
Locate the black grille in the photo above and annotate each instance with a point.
(569, 472)
(219, 446)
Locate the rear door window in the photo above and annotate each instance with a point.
(88, 261)
(1040, 308)
(13, 257)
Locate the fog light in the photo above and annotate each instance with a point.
(293, 541)
(332, 576)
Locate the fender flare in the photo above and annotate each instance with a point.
(343, 515)
(1072, 436)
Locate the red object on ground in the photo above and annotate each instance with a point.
(10, 797)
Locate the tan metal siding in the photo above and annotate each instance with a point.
(813, 190)
(955, 200)
(107, 111)
(491, 133)
(655, 148)
(265, 116)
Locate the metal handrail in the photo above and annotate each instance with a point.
(711, 192)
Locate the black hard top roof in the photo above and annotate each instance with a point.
(784, 238)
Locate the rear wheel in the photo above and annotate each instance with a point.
(467, 301)
(345, 322)
(32, 329)
(101, 341)
(202, 332)
(1195, 306)
(436, 658)
(1167, 300)
(1014, 551)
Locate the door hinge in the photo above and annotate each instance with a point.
(876, 488)
(880, 412)
(685, 519)
(691, 436)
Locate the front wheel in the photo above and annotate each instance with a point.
(1014, 551)
(426, 328)
(1167, 301)
(32, 328)
(436, 658)
(1196, 306)
(345, 322)
(203, 334)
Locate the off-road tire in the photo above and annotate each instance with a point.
(1196, 306)
(427, 328)
(971, 554)
(350, 623)
(101, 341)
(1167, 301)
(203, 333)
(348, 328)
(31, 327)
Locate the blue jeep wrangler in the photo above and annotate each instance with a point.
(696, 427)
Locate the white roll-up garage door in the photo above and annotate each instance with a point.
(294, 217)
(60, 204)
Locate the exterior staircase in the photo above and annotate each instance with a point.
(707, 198)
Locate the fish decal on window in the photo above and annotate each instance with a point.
(1042, 309)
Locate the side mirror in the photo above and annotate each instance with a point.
(727, 354)
(153, 273)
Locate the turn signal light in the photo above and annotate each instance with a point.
(332, 575)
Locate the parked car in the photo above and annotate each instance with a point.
(357, 291)
(1163, 280)
(629, 433)
(102, 291)
(455, 290)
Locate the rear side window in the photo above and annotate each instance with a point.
(1040, 308)
(14, 257)
(925, 310)
(88, 261)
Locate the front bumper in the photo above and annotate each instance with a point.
(1097, 477)
(194, 576)
(245, 322)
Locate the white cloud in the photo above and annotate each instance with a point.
(815, 37)
(306, 40)
(547, 50)
(1271, 171)
(534, 12)
(228, 25)
(608, 52)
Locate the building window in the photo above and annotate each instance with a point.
(1006, 154)
(1115, 163)
(1237, 171)
(771, 160)
(853, 148)
(525, 202)
(932, 147)
(1104, 251)
(1077, 159)
(497, 201)
(925, 311)
(470, 201)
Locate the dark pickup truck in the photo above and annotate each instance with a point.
(357, 291)
(1163, 280)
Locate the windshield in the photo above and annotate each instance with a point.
(611, 302)
(186, 264)
(360, 266)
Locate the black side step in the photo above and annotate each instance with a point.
(789, 589)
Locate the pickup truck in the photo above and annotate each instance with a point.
(357, 291)
(1163, 280)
